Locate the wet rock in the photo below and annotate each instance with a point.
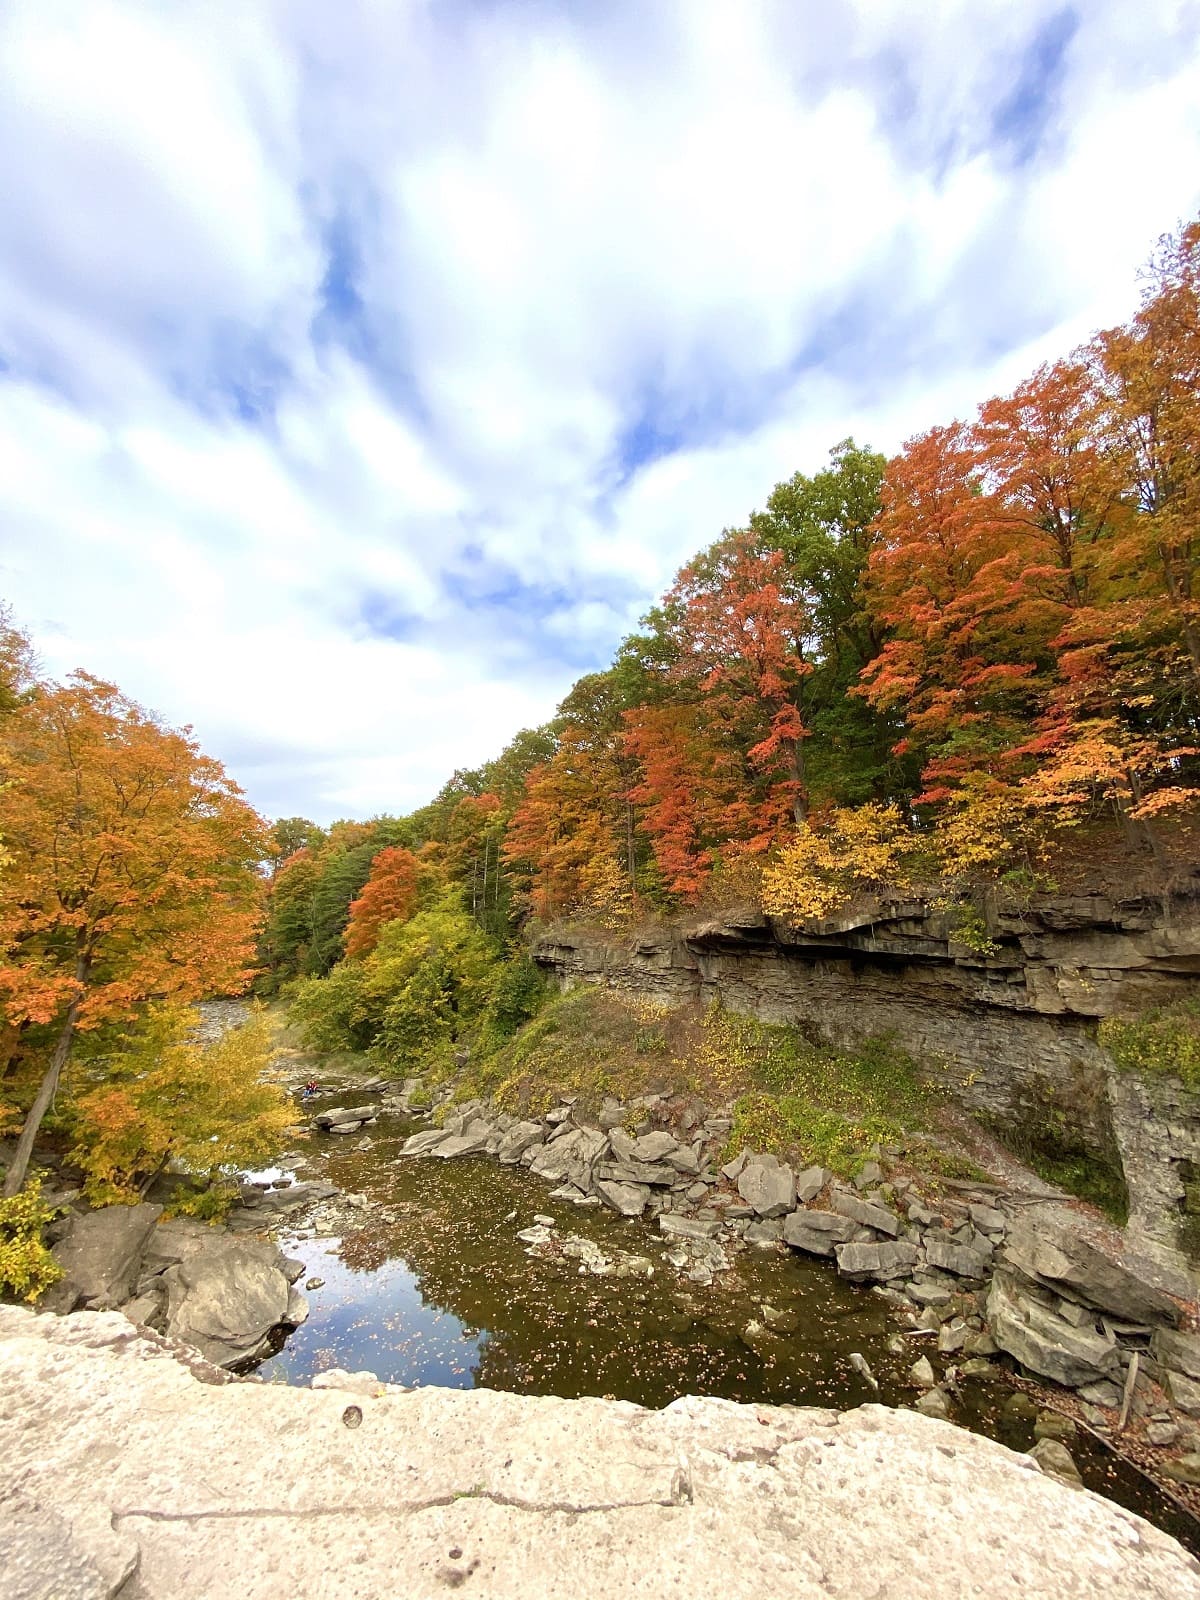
(866, 1214)
(345, 1116)
(1056, 1460)
(952, 1336)
(101, 1255)
(1068, 1264)
(767, 1185)
(779, 1321)
(936, 1403)
(816, 1232)
(921, 1372)
(628, 1199)
(861, 1365)
(1043, 1341)
(315, 1283)
(1053, 1425)
(1186, 1469)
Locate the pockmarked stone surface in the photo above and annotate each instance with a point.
(121, 1473)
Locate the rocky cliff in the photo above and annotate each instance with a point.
(1011, 1029)
(121, 1474)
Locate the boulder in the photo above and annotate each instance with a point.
(964, 1260)
(809, 1184)
(421, 1144)
(1184, 1393)
(226, 1299)
(1045, 1342)
(622, 1144)
(656, 1147)
(767, 1231)
(629, 1199)
(101, 1256)
(884, 1258)
(1068, 1264)
(342, 1116)
(471, 1143)
(816, 1232)
(1054, 1458)
(1179, 1351)
(767, 1185)
(678, 1227)
(520, 1137)
(866, 1213)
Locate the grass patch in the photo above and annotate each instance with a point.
(1050, 1150)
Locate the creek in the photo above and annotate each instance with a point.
(435, 1288)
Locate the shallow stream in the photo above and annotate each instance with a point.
(436, 1288)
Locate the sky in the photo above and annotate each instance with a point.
(367, 369)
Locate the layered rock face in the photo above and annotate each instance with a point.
(121, 1474)
(1012, 1033)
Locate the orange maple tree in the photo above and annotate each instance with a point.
(389, 895)
(130, 873)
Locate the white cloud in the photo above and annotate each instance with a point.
(358, 513)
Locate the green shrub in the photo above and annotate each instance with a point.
(27, 1267)
(1165, 1041)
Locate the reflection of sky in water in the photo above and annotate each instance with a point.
(374, 1322)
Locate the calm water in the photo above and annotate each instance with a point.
(441, 1292)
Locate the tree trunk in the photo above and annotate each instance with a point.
(33, 1119)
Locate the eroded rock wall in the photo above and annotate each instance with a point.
(1012, 1033)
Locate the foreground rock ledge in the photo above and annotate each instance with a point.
(121, 1473)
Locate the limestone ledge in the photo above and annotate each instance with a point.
(120, 1474)
(1011, 1034)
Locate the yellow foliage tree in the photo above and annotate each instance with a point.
(159, 1094)
(824, 866)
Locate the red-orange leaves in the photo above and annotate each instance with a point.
(389, 895)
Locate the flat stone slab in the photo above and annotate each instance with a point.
(112, 1449)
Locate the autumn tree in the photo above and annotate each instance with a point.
(389, 895)
(132, 873)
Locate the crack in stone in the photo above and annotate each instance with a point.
(682, 1495)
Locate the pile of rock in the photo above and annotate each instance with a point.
(224, 1296)
(346, 1119)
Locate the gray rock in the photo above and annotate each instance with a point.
(541, 1491)
(816, 1232)
(872, 1173)
(919, 1214)
(622, 1144)
(1044, 1342)
(883, 1258)
(629, 1199)
(656, 1147)
(988, 1218)
(936, 1403)
(1179, 1351)
(1054, 1458)
(683, 1160)
(101, 1255)
(866, 1214)
(767, 1185)
(421, 1144)
(678, 1227)
(765, 1232)
(226, 1300)
(929, 1294)
(809, 1184)
(462, 1144)
(965, 1261)
(1071, 1266)
(520, 1137)
(343, 1116)
(733, 1169)
(1162, 1434)
(657, 1176)
(148, 1310)
(921, 1372)
(1184, 1393)
(612, 1115)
